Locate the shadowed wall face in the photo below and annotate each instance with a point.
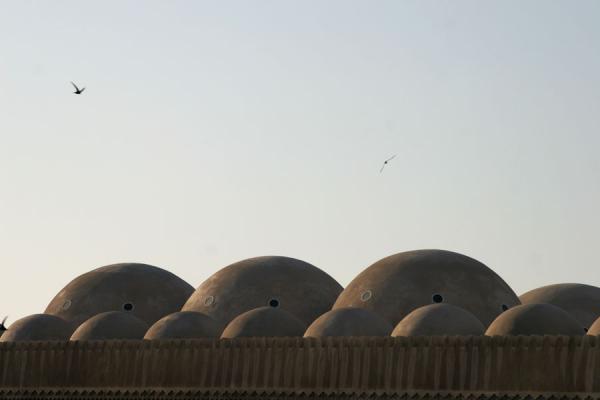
(509, 364)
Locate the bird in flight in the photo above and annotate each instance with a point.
(386, 162)
(2, 327)
(77, 90)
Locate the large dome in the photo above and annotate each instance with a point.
(439, 319)
(535, 319)
(296, 286)
(349, 322)
(396, 285)
(37, 327)
(579, 300)
(263, 322)
(145, 291)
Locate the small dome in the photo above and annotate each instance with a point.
(349, 322)
(294, 285)
(143, 290)
(264, 321)
(579, 300)
(184, 325)
(535, 319)
(439, 319)
(396, 285)
(111, 325)
(37, 327)
(595, 328)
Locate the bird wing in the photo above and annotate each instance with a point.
(82, 89)
(391, 158)
(75, 86)
(382, 167)
(4, 320)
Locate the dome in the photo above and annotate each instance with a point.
(349, 322)
(145, 291)
(394, 286)
(37, 327)
(439, 319)
(111, 325)
(293, 285)
(579, 300)
(184, 325)
(535, 319)
(595, 328)
(264, 321)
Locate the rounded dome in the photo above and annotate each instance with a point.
(143, 290)
(184, 325)
(264, 321)
(535, 319)
(293, 285)
(37, 327)
(111, 325)
(579, 300)
(595, 328)
(439, 319)
(349, 322)
(394, 286)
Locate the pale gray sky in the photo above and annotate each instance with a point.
(215, 131)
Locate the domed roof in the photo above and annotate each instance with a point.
(184, 325)
(579, 300)
(296, 286)
(439, 319)
(111, 325)
(146, 291)
(594, 328)
(394, 286)
(37, 327)
(349, 322)
(535, 319)
(264, 321)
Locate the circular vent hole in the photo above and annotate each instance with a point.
(274, 303)
(504, 307)
(366, 295)
(209, 301)
(128, 306)
(437, 298)
(585, 330)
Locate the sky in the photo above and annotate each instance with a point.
(213, 131)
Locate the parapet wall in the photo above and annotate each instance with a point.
(556, 364)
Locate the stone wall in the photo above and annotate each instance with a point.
(502, 364)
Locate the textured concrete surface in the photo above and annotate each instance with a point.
(579, 300)
(296, 286)
(535, 319)
(184, 325)
(146, 291)
(37, 327)
(385, 364)
(111, 325)
(396, 285)
(439, 319)
(264, 322)
(349, 322)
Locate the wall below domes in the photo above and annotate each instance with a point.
(515, 364)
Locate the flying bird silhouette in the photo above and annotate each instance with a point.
(77, 90)
(2, 327)
(386, 162)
